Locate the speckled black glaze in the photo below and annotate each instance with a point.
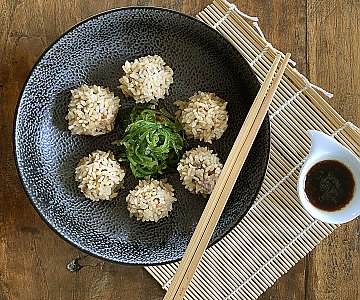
(93, 53)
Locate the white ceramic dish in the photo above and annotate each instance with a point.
(324, 147)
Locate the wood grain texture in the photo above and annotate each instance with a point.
(333, 57)
(322, 37)
(284, 25)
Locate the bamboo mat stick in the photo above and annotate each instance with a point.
(257, 45)
(225, 183)
(286, 87)
(247, 42)
(255, 253)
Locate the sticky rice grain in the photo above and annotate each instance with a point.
(199, 170)
(204, 116)
(92, 110)
(146, 79)
(99, 175)
(151, 200)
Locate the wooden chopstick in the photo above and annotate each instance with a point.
(225, 183)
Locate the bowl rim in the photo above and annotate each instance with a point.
(15, 137)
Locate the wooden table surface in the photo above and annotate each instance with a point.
(323, 37)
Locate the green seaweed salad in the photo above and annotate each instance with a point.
(152, 141)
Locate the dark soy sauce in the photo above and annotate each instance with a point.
(329, 185)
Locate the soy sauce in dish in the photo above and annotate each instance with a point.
(329, 185)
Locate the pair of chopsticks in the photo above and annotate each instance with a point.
(226, 181)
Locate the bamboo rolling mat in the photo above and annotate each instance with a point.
(276, 232)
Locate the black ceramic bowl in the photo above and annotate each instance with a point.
(93, 52)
